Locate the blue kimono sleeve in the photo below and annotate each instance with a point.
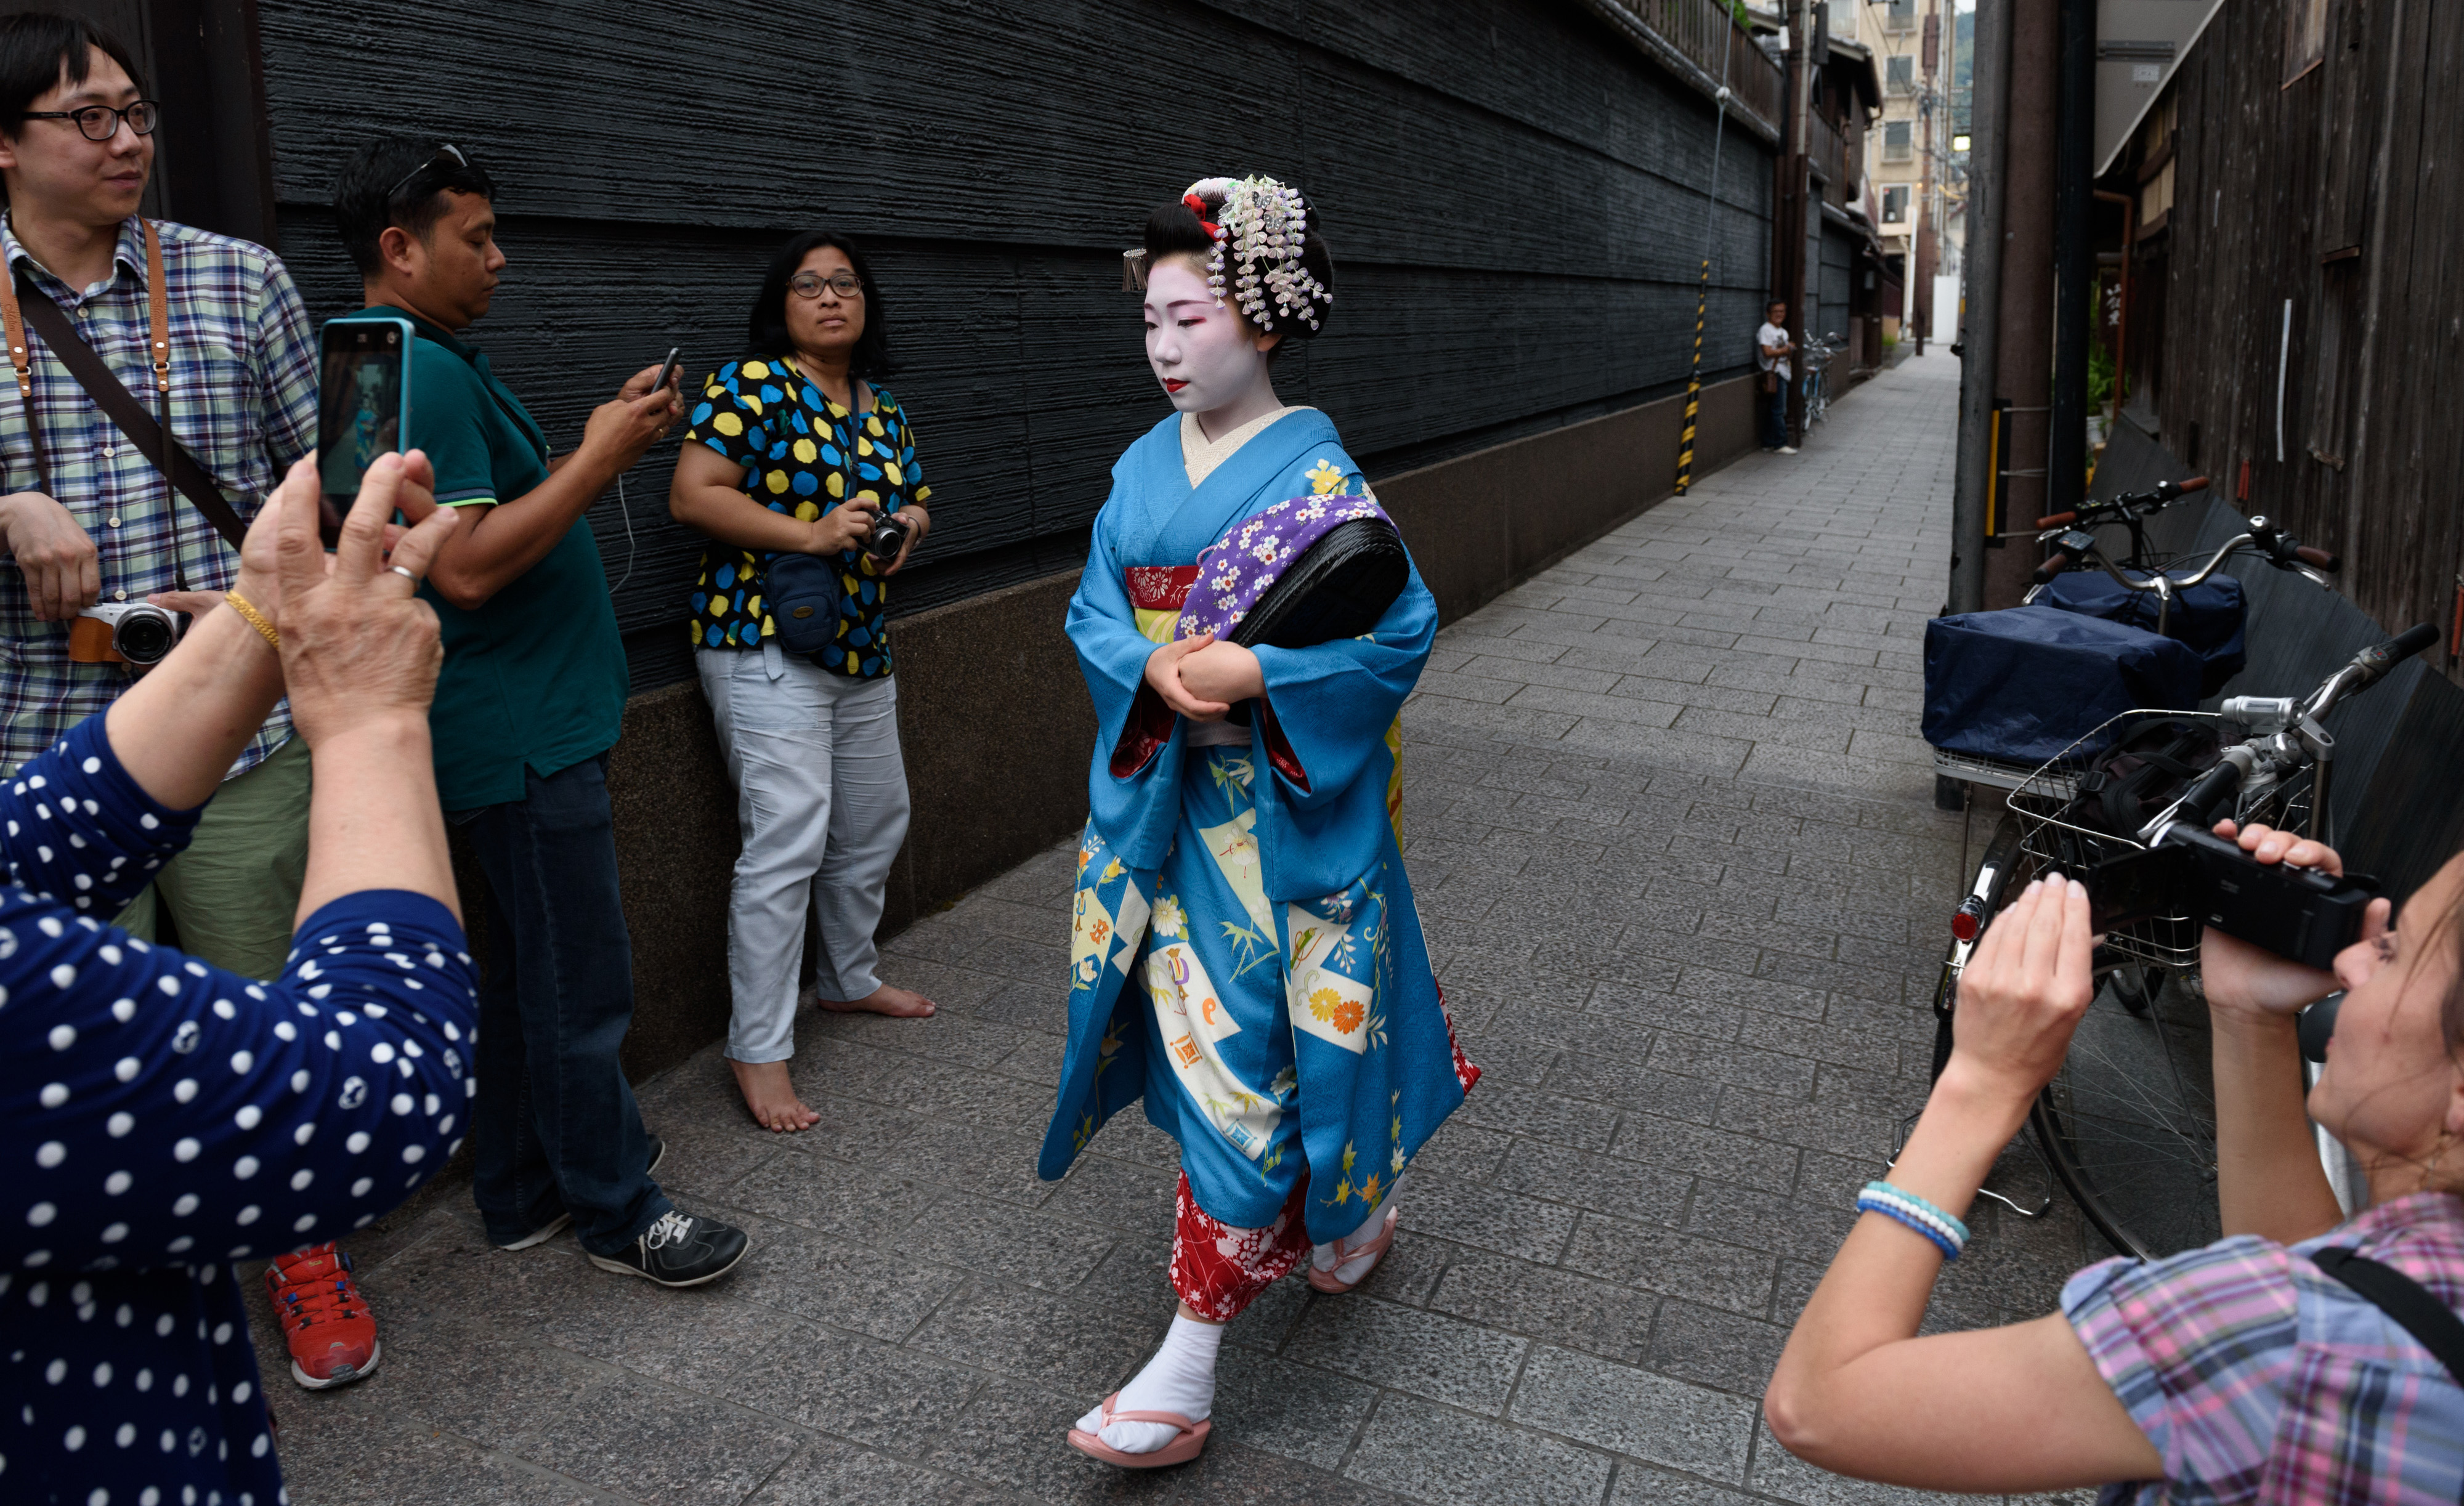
(1330, 704)
(1133, 783)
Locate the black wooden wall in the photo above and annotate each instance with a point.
(2335, 192)
(1515, 194)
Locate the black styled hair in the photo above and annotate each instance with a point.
(1174, 229)
(768, 328)
(37, 46)
(397, 179)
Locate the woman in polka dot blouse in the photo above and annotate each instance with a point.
(165, 1118)
(794, 450)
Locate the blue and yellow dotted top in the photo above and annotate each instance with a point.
(803, 454)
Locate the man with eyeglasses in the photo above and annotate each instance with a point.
(88, 515)
(531, 699)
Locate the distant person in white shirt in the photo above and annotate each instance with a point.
(1772, 350)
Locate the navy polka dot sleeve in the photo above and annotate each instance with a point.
(165, 1117)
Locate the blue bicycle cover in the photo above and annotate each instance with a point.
(2209, 616)
(2026, 684)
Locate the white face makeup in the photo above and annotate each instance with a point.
(1208, 358)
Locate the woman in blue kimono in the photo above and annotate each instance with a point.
(1245, 955)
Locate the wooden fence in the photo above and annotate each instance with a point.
(2296, 288)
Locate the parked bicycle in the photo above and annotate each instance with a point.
(2128, 1125)
(1817, 357)
(2131, 510)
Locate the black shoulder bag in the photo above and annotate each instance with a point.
(2403, 1300)
(24, 304)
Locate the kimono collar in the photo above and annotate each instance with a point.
(1200, 455)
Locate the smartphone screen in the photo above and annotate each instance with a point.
(360, 408)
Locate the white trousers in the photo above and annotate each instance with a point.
(821, 798)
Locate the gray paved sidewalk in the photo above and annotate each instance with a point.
(1678, 864)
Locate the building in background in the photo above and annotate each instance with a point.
(1918, 177)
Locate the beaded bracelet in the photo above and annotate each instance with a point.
(1948, 1235)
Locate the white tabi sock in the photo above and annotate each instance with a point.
(1181, 1379)
(1357, 1268)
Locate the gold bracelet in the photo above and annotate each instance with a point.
(254, 618)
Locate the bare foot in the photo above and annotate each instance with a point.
(771, 1098)
(903, 1003)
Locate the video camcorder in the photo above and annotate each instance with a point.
(2301, 914)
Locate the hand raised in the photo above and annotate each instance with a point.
(358, 648)
(2244, 979)
(2023, 992)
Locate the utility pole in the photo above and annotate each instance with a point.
(1981, 302)
(2074, 258)
(1926, 257)
(2023, 354)
(1788, 223)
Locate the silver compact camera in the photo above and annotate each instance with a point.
(124, 632)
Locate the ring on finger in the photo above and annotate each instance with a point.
(406, 574)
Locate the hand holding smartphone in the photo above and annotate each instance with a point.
(362, 409)
(667, 370)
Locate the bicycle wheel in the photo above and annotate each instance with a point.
(2128, 1124)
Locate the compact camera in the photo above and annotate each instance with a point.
(123, 632)
(888, 536)
(2301, 914)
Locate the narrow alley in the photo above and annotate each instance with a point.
(1685, 888)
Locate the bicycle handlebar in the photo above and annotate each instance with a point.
(2050, 568)
(2185, 488)
(2058, 520)
(2309, 555)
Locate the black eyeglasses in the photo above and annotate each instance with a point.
(100, 122)
(809, 284)
(448, 156)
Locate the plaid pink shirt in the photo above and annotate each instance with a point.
(2259, 1378)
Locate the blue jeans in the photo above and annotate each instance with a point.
(1775, 416)
(557, 1129)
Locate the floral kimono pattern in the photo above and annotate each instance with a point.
(1244, 952)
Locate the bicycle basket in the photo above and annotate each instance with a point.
(2063, 822)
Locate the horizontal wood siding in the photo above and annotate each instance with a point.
(1514, 193)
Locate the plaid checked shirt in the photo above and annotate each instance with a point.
(243, 403)
(2260, 1378)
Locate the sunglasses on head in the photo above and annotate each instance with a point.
(448, 157)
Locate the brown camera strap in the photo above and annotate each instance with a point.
(23, 304)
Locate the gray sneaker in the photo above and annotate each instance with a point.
(680, 1250)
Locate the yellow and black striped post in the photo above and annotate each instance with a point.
(1693, 386)
(1703, 284)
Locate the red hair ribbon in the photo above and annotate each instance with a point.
(1198, 207)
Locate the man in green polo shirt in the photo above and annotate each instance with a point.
(531, 698)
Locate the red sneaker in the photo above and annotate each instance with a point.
(332, 1333)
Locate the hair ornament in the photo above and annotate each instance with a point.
(1260, 227)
